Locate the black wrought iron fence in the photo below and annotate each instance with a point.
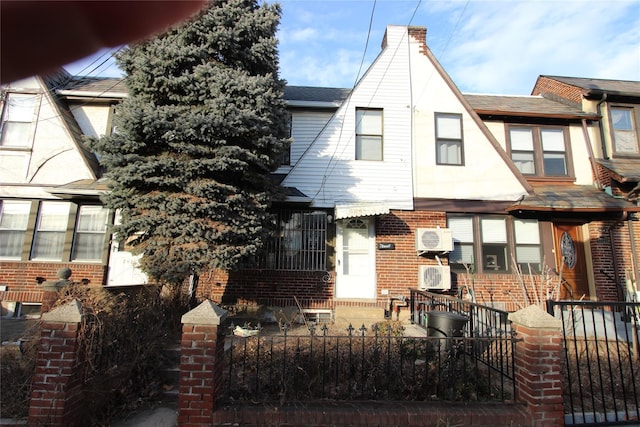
(376, 363)
(602, 369)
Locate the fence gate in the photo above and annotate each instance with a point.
(601, 369)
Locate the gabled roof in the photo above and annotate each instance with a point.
(529, 106)
(625, 170)
(51, 83)
(599, 86)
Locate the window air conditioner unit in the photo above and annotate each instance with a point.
(434, 240)
(434, 277)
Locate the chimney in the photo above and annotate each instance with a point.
(420, 35)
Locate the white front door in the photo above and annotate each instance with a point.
(355, 256)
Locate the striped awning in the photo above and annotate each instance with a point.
(354, 210)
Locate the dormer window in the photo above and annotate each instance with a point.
(539, 150)
(625, 137)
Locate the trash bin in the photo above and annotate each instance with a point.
(445, 324)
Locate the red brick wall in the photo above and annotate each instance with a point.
(601, 235)
(265, 286)
(56, 397)
(545, 85)
(398, 269)
(20, 277)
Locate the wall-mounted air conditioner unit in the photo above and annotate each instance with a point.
(434, 240)
(434, 277)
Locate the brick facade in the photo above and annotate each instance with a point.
(397, 269)
(20, 277)
(555, 89)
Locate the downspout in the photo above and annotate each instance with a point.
(634, 255)
(605, 154)
(594, 167)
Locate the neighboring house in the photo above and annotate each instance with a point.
(615, 156)
(400, 183)
(50, 213)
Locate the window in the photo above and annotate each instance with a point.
(492, 240)
(300, 243)
(14, 217)
(448, 139)
(528, 248)
(90, 231)
(462, 231)
(17, 120)
(368, 134)
(50, 231)
(539, 151)
(625, 138)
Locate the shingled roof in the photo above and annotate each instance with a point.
(529, 106)
(115, 87)
(613, 87)
(572, 198)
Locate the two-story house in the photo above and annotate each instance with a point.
(399, 183)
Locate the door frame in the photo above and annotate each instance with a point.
(369, 291)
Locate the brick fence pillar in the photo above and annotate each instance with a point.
(56, 396)
(538, 365)
(201, 363)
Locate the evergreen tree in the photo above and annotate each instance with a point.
(203, 126)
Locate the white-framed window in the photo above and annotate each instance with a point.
(539, 150)
(625, 132)
(449, 141)
(49, 239)
(485, 243)
(369, 134)
(91, 228)
(17, 120)
(14, 218)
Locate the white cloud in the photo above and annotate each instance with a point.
(502, 47)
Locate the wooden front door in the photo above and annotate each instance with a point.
(570, 261)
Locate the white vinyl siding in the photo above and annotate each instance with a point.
(305, 128)
(327, 170)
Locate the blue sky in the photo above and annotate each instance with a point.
(497, 47)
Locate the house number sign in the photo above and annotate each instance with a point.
(568, 250)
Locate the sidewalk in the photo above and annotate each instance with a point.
(156, 417)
